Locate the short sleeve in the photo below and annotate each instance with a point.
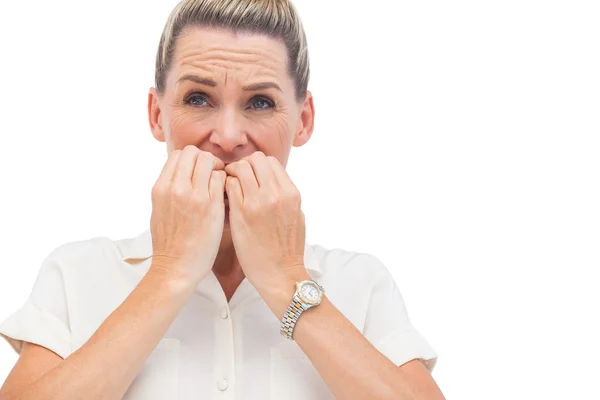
(387, 325)
(43, 319)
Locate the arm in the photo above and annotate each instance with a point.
(105, 366)
(350, 365)
(187, 225)
(269, 236)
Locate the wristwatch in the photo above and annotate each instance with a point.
(308, 294)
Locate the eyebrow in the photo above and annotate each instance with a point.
(262, 86)
(197, 79)
(248, 88)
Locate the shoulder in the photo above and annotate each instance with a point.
(90, 259)
(349, 264)
(78, 252)
(80, 249)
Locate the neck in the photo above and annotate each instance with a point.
(227, 268)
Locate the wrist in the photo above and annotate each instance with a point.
(172, 279)
(279, 292)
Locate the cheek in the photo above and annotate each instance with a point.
(185, 128)
(273, 134)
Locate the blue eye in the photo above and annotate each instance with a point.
(260, 103)
(197, 100)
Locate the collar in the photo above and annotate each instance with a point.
(140, 248)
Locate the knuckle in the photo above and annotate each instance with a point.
(207, 158)
(198, 198)
(179, 193)
(191, 148)
(158, 189)
(205, 155)
(222, 175)
(253, 209)
(202, 159)
(273, 200)
(293, 197)
(268, 203)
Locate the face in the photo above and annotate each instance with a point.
(231, 95)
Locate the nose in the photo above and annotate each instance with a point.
(229, 133)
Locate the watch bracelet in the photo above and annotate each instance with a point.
(291, 316)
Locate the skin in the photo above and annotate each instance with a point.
(262, 239)
(226, 120)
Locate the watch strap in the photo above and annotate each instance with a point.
(291, 315)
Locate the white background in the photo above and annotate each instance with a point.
(457, 141)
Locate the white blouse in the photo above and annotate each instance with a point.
(213, 349)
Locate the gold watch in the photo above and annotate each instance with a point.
(308, 294)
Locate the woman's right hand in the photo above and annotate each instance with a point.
(188, 214)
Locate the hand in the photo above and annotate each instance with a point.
(266, 221)
(188, 214)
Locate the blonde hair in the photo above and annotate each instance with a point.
(277, 19)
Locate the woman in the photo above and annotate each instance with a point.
(221, 296)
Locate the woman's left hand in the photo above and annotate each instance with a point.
(266, 221)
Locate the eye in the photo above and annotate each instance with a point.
(260, 103)
(197, 100)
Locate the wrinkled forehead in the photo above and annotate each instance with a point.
(232, 57)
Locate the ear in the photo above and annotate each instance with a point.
(306, 123)
(154, 115)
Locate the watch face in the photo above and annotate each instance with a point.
(309, 293)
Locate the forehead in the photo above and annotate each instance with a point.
(218, 51)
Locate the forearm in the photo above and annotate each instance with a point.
(350, 365)
(105, 366)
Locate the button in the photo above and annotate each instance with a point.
(222, 384)
(224, 313)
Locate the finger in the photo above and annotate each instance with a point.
(206, 163)
(217, 186)
(281, 176)
(234, 193)
(243, 171)
(168, 170)
(263, 171)
(185, 167)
